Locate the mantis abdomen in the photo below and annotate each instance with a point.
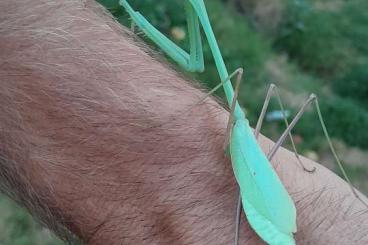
(268, 206)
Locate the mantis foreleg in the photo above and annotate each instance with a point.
(191, 62)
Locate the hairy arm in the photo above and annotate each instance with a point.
(96, 138)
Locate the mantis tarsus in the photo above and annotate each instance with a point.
(267, 205)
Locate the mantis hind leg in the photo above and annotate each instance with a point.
(313, 99)
(273, 91)
(191, 62)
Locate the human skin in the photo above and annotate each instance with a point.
(96, 136)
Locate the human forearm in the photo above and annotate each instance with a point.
(80, 107)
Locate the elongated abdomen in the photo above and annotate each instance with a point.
(268, 206)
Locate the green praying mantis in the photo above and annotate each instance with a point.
(268, 207)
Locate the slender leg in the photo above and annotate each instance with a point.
(237, 220)
(232, 108)
(264, 110)
(191, 62)
(273, 90)
(332, 148)
(313, 98)
(239, 74)
(281, 140)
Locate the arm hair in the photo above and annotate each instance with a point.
(96, 139)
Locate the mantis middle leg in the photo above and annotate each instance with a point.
(273, 90)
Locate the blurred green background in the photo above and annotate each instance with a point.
(318, 46)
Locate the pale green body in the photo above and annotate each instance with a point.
(267, 205)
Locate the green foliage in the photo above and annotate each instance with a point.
(264, 15)
(346, 120)
(354, 22)
(328, 39)
(315, 39)
(354, 85)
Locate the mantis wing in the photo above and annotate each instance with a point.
(268, 206)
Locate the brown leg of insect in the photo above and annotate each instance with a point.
(239, 74)
(230, 123)
(237, 219)
(281, 140)
(273, 90)
(313, 98)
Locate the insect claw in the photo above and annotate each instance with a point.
(240, 71)
(311, 171)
